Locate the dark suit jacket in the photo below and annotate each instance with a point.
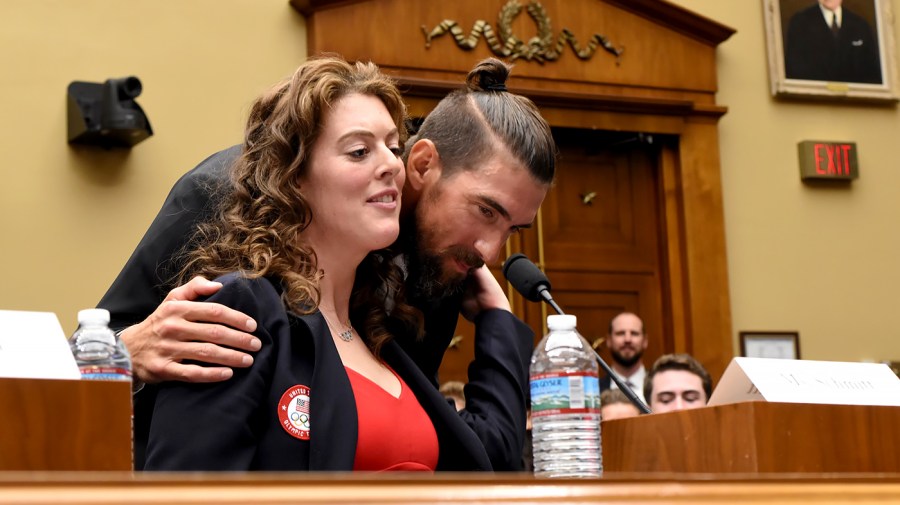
(234, 425)
(145, 280)
(812, 52)
(605, 383)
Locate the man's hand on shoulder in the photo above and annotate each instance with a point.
(182, 329)
(483, 293)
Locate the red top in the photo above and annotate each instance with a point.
(397, 434)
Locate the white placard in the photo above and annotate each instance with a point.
(33, 346)
(806, 381)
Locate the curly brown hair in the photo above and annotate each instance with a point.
(261, 215)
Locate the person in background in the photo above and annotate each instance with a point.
(627, 342)
(477, 172)
(677, 382)
(454, 390)
(615, 405)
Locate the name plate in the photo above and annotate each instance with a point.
(33, 346)
(806, 381)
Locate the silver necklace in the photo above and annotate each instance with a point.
(346, 335)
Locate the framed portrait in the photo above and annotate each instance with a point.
(770, 344)
(831, 49)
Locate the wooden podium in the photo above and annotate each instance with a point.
(65, 425)
(757, 437)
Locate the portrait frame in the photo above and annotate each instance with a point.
(778, 22)
(770, 344)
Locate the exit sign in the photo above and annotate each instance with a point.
(827, 160)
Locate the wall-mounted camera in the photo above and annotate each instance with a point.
(106, 114)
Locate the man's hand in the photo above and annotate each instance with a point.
(182, 329)
(483, 292)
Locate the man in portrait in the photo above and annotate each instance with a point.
(828, 42)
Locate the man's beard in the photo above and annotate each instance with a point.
(626, 362)
(428, 280)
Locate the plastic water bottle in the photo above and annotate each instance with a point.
(98, 353)
(565, 404)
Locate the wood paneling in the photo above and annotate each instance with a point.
(757, 437)
(65, 425)
(361, 489)
(602, 213)
(604, 257)
(389, 32)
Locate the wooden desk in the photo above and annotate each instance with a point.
(65, 425)
(345, 489)
(872, 431)
(757, 437)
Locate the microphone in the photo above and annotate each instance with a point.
(528, 280)
(531, 283)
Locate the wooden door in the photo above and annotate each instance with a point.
(599, 239)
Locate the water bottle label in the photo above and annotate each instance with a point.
(565, 393)
(105, 373)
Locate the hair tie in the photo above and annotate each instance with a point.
(497, 86)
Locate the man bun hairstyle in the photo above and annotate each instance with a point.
(488, 75)
(471, 124)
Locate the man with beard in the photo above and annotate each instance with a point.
(477, 171)
(627, 342)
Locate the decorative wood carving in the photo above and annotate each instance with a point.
(539, 48)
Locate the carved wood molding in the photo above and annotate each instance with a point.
(307, 7)
(678, 19)
(668, 14)
(437, 89)
(505, 44)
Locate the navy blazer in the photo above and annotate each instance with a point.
(144, 282)
(234, 425)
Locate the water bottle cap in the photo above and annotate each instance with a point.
(561, 322)
(93, 316)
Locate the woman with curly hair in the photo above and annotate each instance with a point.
(301, 243)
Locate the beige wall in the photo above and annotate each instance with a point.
(823, 262)
(70, 217)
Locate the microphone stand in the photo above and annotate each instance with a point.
(545, 294)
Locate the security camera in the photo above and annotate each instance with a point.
(106, 114)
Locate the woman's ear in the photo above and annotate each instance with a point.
(422, 163)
